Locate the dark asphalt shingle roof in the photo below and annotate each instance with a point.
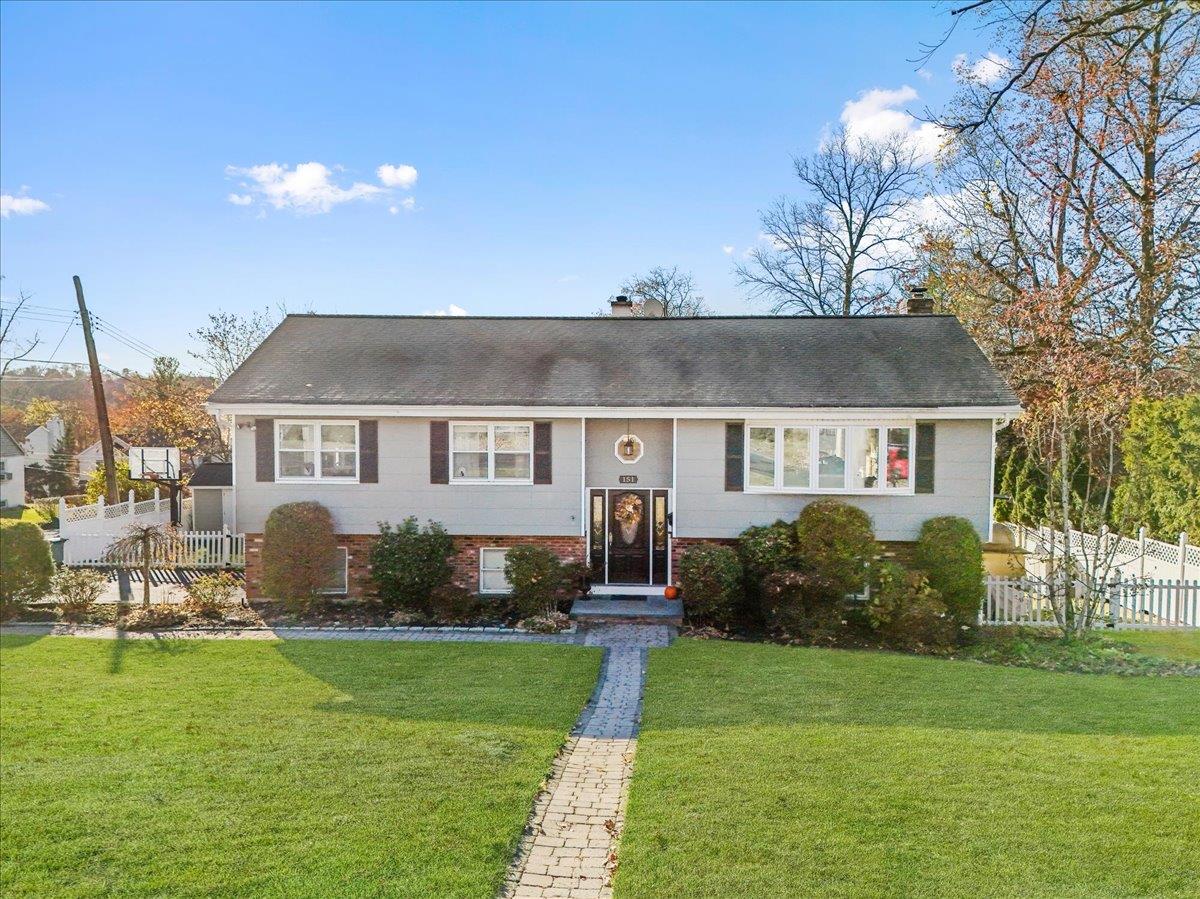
(212, 474)
(8, 445)
(902, 361)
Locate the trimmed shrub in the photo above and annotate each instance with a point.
(77, 590)
(409, 562)
(834, 541)
(951, 556)
(210, 596)
(538, 578)
(801, 604)
(453, 604)
(907, 613)
(25, 564)
(711, 579)
(764, 550)
(154, 618)
(299, 553)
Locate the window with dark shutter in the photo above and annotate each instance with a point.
(926, 431)
(368, 449)
(439, 452)
(735, 447)
(542, 461)
(264, 449)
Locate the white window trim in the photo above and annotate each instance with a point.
(813, 451)
(491, 452)
(344, 589)
(482, 550)
(317, 477)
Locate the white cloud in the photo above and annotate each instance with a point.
(925, 74)
(988, 70)
(10, 205)
(402, 176)
(874, 115)
(240, 199)
(305, 189)
(727, 249)
(451, 310)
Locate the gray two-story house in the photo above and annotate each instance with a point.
(617, 441)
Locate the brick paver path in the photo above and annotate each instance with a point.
(569, 848)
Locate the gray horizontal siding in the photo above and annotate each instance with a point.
(962, 482)
(652, 470)
(404, 489)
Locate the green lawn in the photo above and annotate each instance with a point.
(773, 771)
(303, 768)
(1183, 645)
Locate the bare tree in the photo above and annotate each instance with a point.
(842, 250)
(229, 338)
(11, 349)
(146, 545)
(676, 290)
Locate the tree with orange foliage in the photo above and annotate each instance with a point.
(167, 409)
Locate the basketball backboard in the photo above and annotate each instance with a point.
(156, 463)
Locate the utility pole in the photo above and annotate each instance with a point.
(106, 441)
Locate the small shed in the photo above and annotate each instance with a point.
(212, 497)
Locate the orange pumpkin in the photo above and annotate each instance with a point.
(671, 591)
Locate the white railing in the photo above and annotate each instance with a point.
(100, 518)
(197, 549)
(1127, 603)
(1140, 557)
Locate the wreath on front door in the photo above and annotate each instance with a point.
(628, 514)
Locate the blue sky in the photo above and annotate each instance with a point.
(557, 149)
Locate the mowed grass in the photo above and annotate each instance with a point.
(303, 768)
(774, 771)
(1182, 645)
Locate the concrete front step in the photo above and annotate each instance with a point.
(651, 610)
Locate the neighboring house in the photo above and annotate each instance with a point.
(92, 457)
(616, 441)
(12, 471)
(212, 496)
(43, 441)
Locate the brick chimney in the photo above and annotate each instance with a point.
(622, 307)
(919, 301)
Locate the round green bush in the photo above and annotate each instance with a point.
(410, 562)
(299, 553)
(538, 578)
(25, 563)
(710, 576)
(835, 542)
(950, 554)
(907, 613)
(764, 550)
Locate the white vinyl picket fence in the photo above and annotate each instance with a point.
(200, 549)
(1129, 603)
(1140, 556)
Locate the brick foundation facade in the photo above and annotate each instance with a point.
(679, 545)
(465, 560)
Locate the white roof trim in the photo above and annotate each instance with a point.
(304, 410)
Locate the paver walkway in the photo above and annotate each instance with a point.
(569, 847)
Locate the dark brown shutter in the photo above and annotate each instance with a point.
(735, 447)
(439, 452)
(541, 452)
(264, 449)
(368, 452)
(925, 439)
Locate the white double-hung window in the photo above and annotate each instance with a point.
(784, 457)
(491, 452)
(316, 450)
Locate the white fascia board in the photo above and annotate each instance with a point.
(824, 413)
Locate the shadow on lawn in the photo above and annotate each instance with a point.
(716, 685)
(122, 645)
(19, 641)
(502, 685)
